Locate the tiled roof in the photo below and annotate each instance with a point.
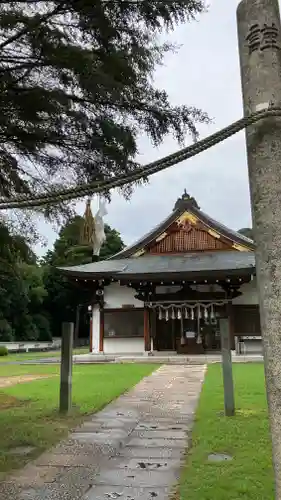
(160, 265)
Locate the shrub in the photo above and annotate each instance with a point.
(3, 351)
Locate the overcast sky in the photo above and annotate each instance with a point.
(204, 73)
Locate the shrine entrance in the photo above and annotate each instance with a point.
(186, 328)
(165, 336)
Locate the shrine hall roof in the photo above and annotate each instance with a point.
(188, 265)
(183, 204)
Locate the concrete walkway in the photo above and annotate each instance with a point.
(131, 450)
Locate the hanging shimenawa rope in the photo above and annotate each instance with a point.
(21, 201)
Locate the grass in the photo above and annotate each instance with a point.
(249, 476)
(26, 356)
(29, 413)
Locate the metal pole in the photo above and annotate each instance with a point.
(228, 387)
(66, 368)
(259, 33)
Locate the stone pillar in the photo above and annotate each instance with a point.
(228, 386)
(260, 56)
(230, 314)
(95, 333)
(66, 368)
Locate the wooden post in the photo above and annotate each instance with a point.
(146, 331)
(66, 367)
(229, 405)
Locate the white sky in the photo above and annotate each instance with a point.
(204, 73)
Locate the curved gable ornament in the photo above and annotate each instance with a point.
(186, 226)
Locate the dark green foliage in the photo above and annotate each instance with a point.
(69, 251)
(6, 331)
(3, 351)
(76, 88)
(35, 299)
(43, 327)
(247, 231)
(26, 328)
(113, 244)
(21, 289)
(63, 296)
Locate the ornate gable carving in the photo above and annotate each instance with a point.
(189, 237)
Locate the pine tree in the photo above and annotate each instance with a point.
(76, 88)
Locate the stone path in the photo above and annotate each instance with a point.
(131, 450)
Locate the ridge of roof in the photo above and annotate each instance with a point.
(177, 212)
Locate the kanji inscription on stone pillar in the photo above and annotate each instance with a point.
(262, 37)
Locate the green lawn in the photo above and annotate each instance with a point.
(32, 418)
(249, 475)
(26, 356)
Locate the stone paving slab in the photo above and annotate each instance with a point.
(151, 453)
(121, 493)
(131, 450)
(160, 426)
(65, 460)
(159, 464)
(161, 434)
(157, 443)
(137, 478)
(109, 436)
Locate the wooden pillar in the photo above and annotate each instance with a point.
(101, 330)
(146, 331)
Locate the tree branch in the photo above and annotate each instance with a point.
(25, 30)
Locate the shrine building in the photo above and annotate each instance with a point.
(167, 291)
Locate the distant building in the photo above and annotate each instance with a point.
(167, 291)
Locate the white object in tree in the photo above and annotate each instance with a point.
(99, 234)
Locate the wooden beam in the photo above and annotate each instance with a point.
(146, 331)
